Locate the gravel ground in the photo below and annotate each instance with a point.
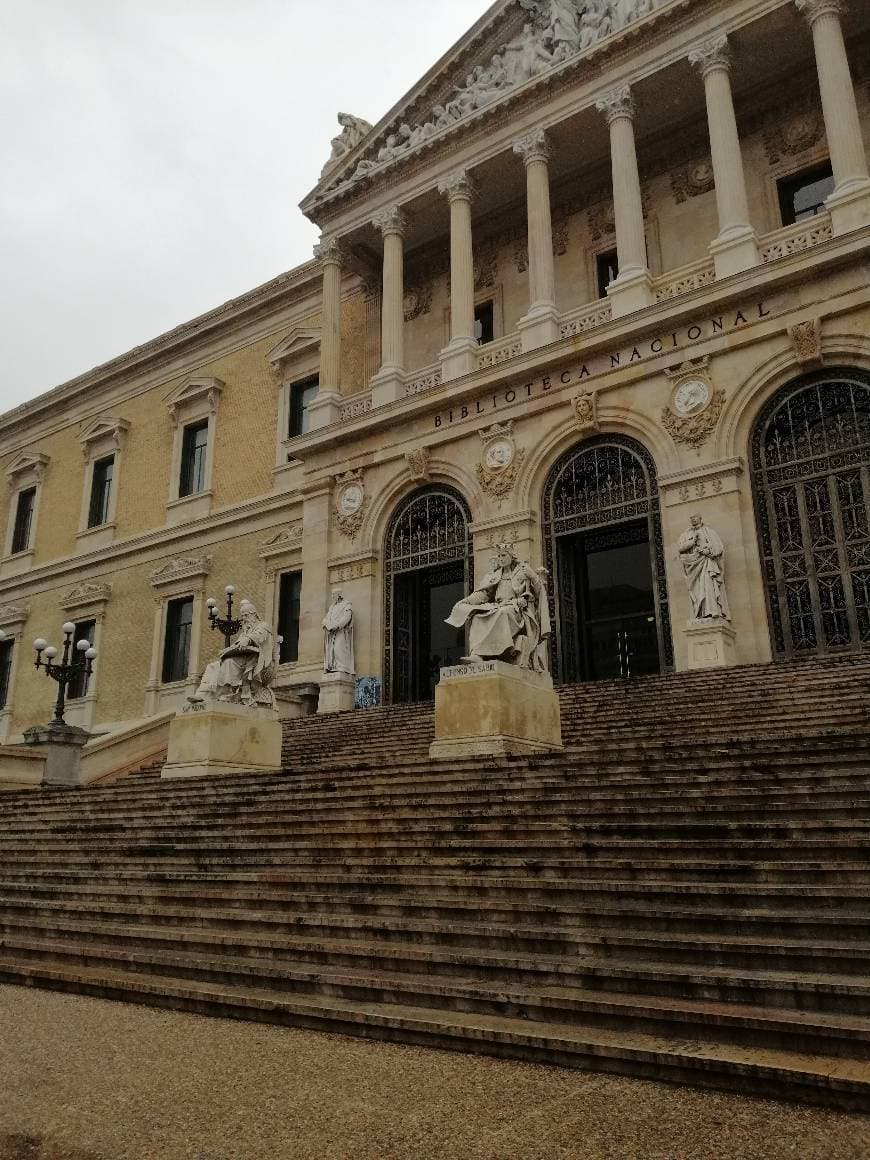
(87, 1079)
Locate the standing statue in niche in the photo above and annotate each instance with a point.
(244, 673)
(508, 617)
(338, 628)
(702, 555)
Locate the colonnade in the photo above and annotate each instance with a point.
(735, 247)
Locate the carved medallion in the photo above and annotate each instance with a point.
(694, 408)
(501, 460)
(417, 301)
(692, 180)
(350, 502)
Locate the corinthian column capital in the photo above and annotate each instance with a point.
(458, 186)
(616, 103)
(328, 249)
(712, 54)
(391, 221)
(813, 9)
(533, 146)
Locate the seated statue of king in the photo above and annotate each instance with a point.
(245, 670)
(507, 617)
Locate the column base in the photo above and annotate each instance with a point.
(387, 386)
(496, 709)
(849, 205)
(631, 290)
(63, 752)
(223, 738)
(458, 358)
(735, 249)
(540, 326)
(337, 693)
(710, 644)
(324, 409)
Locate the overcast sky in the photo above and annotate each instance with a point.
(153, 154)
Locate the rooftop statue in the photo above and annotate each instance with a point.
(507, 617)
(245, 670)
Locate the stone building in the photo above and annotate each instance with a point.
(604, 268)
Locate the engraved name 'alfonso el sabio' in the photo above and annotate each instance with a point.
(507, 618)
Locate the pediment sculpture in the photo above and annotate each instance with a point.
(353, 129)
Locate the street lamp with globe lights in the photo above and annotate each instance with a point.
(69, 668)
(227, 625)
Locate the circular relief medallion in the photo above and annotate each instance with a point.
(691, 396)
(351, 499)
(499, 454)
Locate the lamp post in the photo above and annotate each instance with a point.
(68, 669)
(227, 625)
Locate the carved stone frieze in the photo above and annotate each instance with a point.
(342, 571)
(602, 221)
(86, 593)
(806, 340)
(485, 266)
(288, 539)
(692, 180)
(417, 301)
(181, 568)
(418, 462)
(13, 615)
(790, 137)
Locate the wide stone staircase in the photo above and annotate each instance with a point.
(681, 895)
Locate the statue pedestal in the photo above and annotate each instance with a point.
(710, 644)
(63, 751)
(337, 692)
(223, 738)
(493, 708)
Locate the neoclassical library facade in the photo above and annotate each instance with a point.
(606, 267)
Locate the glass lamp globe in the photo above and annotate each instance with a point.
(69, 628)
(39, 644)
(83, 645)
(230, 589)
(51, 652)
(90, 654)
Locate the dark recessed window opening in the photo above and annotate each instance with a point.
(289, 594)
(176, 644)
(6, 647)
(301, 398)
(194, 444)
(803, 195)
(23, 520)
(606, 269)
(101, 491)
(484, 322)
(84, 631)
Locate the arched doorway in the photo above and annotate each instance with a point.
(603, 548)
(427, 568)
(811, 484)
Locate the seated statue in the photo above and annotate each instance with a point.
(508, 617)
(244, 673)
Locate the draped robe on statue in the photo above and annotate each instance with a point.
(507, 617)
(338, 651)
(701, 554)
(244, 673)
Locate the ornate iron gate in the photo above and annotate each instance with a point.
(811, 484)
(430, 527)
(607, 480)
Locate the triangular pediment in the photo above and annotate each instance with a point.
(513, 45)
(106, 427)
(204, 391)
(32, 462)
(302, 338)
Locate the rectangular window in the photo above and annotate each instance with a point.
(484, 322)
(289, 594)
(101, 491)
(301, 398)
(6, 647)
(194, 445)
(606, 269)
(803, 195)
(84, 631)
(176, 644)
(23, 520)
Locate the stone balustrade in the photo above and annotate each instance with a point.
(793, 239)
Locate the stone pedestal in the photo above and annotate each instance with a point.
(63, 748)
(337, 691)
(493, 708)
(458, 358)
(324, 409)
(710, 644)
(223, 738)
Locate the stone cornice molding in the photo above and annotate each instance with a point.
(181, 568)
(712, 54)
(813, 9)
(13, 615)
(87, 595)
(196, 390)
(458, 186)
(28, 461)
(617, 103)
(328, 251)
(287, 541)
(391, 221)
(533, 146)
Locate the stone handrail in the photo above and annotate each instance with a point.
(800, 236)
(685, 278)
(355, 406)
(423, 380)
(584, 318)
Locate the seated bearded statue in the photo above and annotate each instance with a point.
(507, 617)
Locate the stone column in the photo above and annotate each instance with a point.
(460, 355)
(540, 324)
(850, 202)
(736, 247)
(632, 289)
(327, 403)
(389, 383)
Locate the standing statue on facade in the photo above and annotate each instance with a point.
(508, 617)
(244, 673)
(702, 555)
(338, 627)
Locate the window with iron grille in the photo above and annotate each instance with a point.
(194, 445)
(176, 643)
(289, 593)
(23, 520)
(101, 491)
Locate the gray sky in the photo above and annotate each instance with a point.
(153, 154)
